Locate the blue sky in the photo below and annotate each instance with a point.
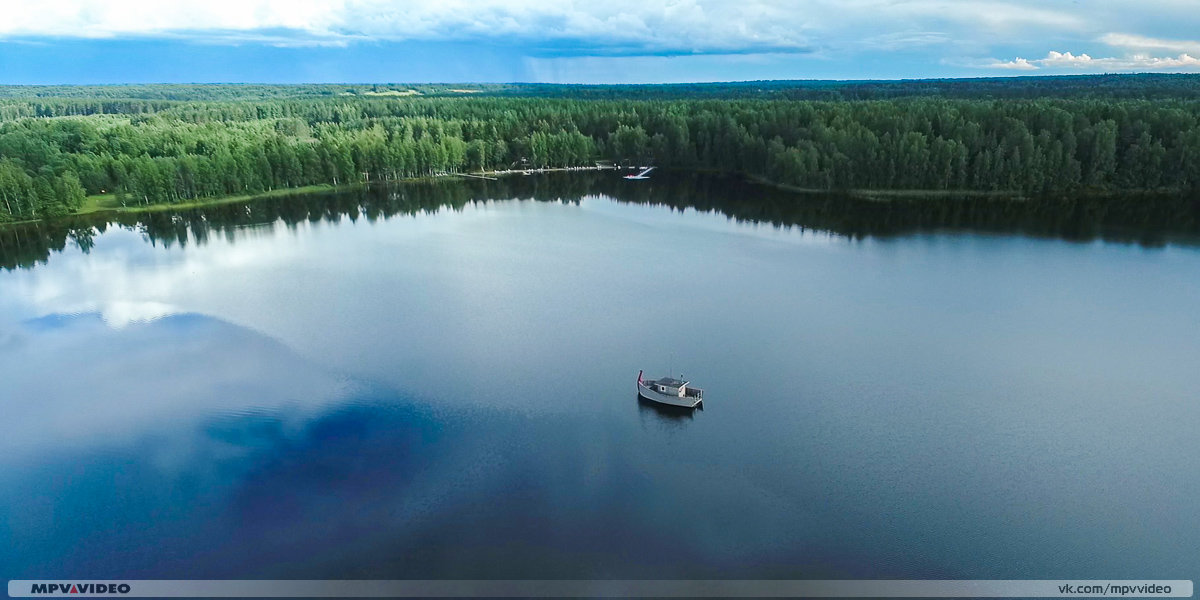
(602, 41)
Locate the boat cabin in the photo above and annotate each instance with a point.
(670, 386)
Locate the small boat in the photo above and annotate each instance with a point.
(643, 175)
(670, 391)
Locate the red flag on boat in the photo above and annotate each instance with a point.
(639, 376)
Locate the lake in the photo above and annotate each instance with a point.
(436, 380)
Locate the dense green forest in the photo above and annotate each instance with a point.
(169, 144)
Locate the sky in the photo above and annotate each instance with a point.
(575, 41)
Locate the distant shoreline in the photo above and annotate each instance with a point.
(885, 195)
(106, 203)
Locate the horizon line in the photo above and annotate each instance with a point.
(664, 84)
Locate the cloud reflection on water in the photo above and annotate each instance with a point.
(75, 380)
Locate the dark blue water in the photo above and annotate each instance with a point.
(448, 393)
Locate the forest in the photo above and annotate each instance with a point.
(62, 147)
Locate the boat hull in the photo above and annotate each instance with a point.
(667, 399)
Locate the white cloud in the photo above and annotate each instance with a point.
(610, 26)
(1143, 43)
(593, 27)
(905, 39)
(1068, 61)
(1018, 64)
(582, 28)
(1181, 62)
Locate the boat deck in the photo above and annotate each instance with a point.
(691, 398)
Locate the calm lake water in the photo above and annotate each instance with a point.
(437, 381)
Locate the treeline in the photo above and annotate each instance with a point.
(1108, 86)
(157, 151)
(1136, 218)
(237, 91)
